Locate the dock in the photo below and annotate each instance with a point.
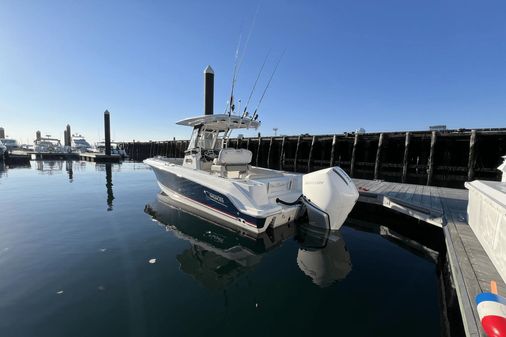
(17, 158)
(53, 155)
(472, 269)
(100, 157)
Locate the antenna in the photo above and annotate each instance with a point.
(256, 81)
(268, 83)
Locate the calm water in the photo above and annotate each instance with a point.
(77, 239)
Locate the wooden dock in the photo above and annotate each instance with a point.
(100, 157)
(472, 269)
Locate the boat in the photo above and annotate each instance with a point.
(220, 184)
(79, 143)
(48, 145)
(3, 150)
(116, 149)
(10, 144)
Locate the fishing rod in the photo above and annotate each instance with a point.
(256, 81)
(234, 76)
(255, 115)
(248, 37)
(238, 61)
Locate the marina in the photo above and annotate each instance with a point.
(348, 179)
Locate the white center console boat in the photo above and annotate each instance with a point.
(219, 183)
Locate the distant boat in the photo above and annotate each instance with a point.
(79, 143)
(48, 145)
(10, 144)
(3, 150)
(116, 149)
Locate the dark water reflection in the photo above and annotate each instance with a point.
(79, 256)
(217, 255)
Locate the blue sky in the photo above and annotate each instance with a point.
(381, 65)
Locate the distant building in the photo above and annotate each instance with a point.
(2, 133)
(437, 127)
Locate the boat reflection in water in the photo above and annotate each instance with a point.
(49, 166)
(219, 255)
(323, 255)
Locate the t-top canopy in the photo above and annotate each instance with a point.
(220, 122)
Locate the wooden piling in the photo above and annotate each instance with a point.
(353, 155)
(377, 162)
(258, 149)
(107, 129)
(282, 155)
(269, 154)
(430, 168)
(406, 158)
(332, 151)
(208, 91)
(471, 161)
(310, 155)
(296, 152)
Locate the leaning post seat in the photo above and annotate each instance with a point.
(230, 163)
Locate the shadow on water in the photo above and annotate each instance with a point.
(218, 255)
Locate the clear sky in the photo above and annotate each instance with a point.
(381, 65)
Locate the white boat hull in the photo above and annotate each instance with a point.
(224, 200)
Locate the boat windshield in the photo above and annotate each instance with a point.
(206, 139)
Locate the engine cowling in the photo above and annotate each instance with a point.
(329, 195)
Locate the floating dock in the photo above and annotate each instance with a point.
(53, 155)
(472, 269)
(100, 157)
(17, 158)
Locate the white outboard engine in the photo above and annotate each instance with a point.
(329, 196)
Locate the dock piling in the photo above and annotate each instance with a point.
(471, 161)
(107, 129)
(430, 168)
(406, 158)
(377, 162)
(208, 91)
(332, 151)
(353, 154)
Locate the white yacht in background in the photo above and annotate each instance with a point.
(48, 145)
(3, 150)
(116, 148)
(219, 183)
(10, 144)
(80, 144)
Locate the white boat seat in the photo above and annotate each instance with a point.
(231, 163)
(233, 157)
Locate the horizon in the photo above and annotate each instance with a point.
(382, 67)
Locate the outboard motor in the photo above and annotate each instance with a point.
(329, 196)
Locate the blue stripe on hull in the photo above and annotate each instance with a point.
(204, 195)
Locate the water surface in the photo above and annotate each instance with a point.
(93, 250)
